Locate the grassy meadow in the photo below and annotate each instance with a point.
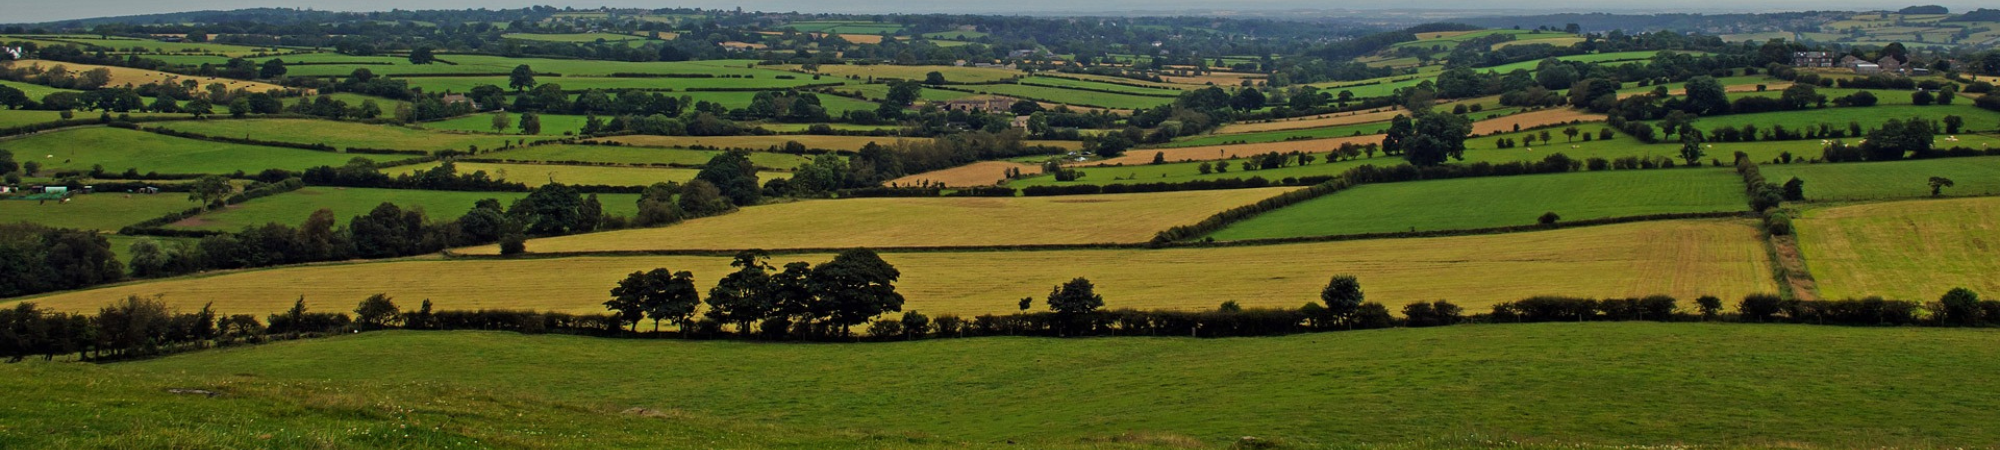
(1908, 250)
(923, 222)
(119, 149)
(292, 208)
(638, 155)
(1498, 202)
(542, 174)
(1069, 96)
(1684, 259)
(1890, 180)
(344, 134)
(103, 211)
(552, 124)
(1623, 384)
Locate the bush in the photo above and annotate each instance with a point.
(1760, 307)
(1778, 224)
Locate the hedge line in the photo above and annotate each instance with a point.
(154, 226)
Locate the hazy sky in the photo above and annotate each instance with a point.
(20, 11)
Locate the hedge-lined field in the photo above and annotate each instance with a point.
(344, 134)
(541, 174)
(119, 149)
(768, 80)
(1071, 96)
(637, 155)
(107, 211)
(849, 143)
(1913, 249)
(1869, 117)
(1491, 202)
(1978, 176)
(552, 124)
(880, 72)
(292, 208)
(493, 65)
(922, 222)
(1617, 384)
(35, 91)
(1684, 259)
(10, 118)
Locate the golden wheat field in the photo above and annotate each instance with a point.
(1323, 120)
(920, 222)
(1231, 151)
(1908, 250)
(1680, 258)
(984, 173)
(121, 76)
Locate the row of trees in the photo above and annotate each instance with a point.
(801, 299)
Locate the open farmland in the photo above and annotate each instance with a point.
(922, 222)
(543, 174)
(106, 211)
(34, 91)
(292, 208)
(610, 154)
(576, 83)
(847, 143)
(1491, 202)
(1909, 250)
(1488, 121)
(1324, 120)
(121, 76)
(1890, 180)
(574, 37)
(1680, 258)
(552, 124)
(976, 174)
(1099, 86)
(10, 118)
(1068, 96)
(343, 134)
(884, 72)
(119, 149)
(1869, 117)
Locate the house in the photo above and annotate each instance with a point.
(1813, 59)
(450, 99)
(1890, 64)
(1849, 61)
(988, 103)
(12, 52)
(1867, 68)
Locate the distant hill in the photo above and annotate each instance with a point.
(1925, 9)
(1978, 15)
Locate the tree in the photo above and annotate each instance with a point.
(1953, 123)
(1433, 138)
(272, 69)
(903, 93)
(734, 175)
(377, 311)
(934, 78)
(501, 122)
(1938, 184)
(660, 294)
(1343, 298)
(1076, 297)
(1548, 219)
(422, 55)
(743, 297)
(1691, 141)
(1960, 306)
(1025, 107)
(1922, 98)
(1709, 305)
(855, 286)
(210, 190)
(1795, 190)
(699, 198)
(531, 124)
(522, 78)
(552, 209)
(1706, 96)
(369, 109)
(1571, 132)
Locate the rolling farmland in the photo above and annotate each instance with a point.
(119, 149)
(1912, 249)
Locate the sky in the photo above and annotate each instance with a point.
(28, 11)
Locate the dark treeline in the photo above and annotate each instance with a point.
(804, 302)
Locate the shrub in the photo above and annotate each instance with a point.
(1760, 307)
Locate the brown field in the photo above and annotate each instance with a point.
(920, 222)
(848, 143)
(1323, 120)
(984, 173)
(1684, 259)
(121, 76)
(1532, 119)
(1213, 152)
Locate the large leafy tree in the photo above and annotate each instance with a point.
(1075, 297)
(1343, 297)
(734, 175)
(522, 78)
(658, 294)
(1706, 96)
(1432, 138)
(855, 286)
(551, 209)
(743, 297)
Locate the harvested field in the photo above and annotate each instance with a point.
(121, 76)
(1213, 152)
(1533, 119)
(847, 143)
(1324, 120)
(1907, 250)
(985, 173)
(1684, 259)
(921, 222)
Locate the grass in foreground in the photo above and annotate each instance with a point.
(1914, 250)
(1684, 259)
(1489, 202)
(1501, 386)
(924, 222)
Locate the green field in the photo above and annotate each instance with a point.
(844, 27)
(637, 155)
(1910, 250)
(1976, 119)
(1489, 202)
(880, 91)
(1315, 133)
(957, 34)
(34, 91)
(343, 134)
(1609, 59)
(1611, 385)
(103, 211)
(1070, 96)
(1890, 180)
(10, 118)
(574, 37)
(541, 174)
(1380, 87)
(118, 149)
(552, 124)
(292, 208)
(1119, 88)
(500, 65)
